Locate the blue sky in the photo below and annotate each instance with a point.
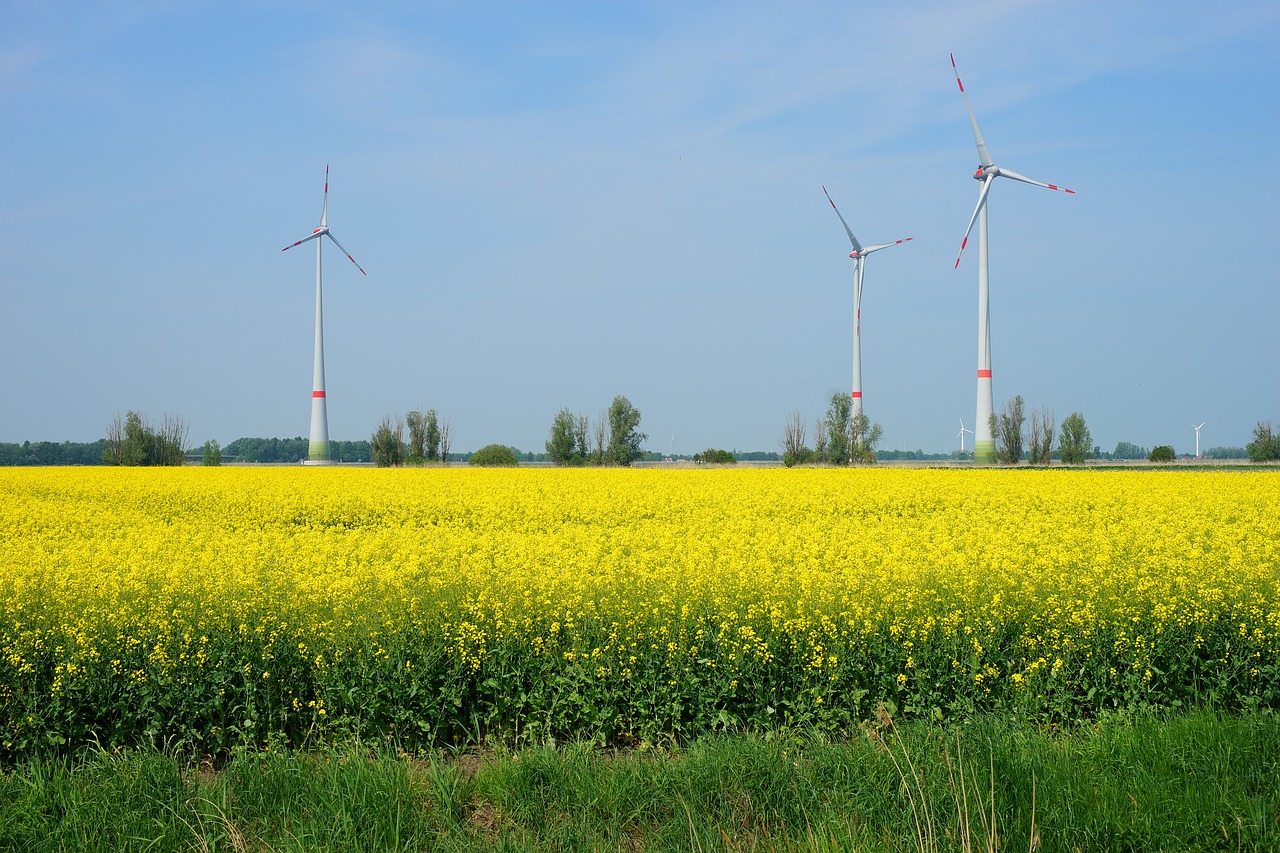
(561, 202)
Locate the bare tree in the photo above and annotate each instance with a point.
(1042, 433)
(173, 440)
(820, 440)
(793, 438)
(600, 435)
(1006, 429)
(582, 437)
(446, 439)
(114, 454)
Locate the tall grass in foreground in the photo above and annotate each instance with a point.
(1195, 781)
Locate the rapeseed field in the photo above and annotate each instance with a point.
(213, 607)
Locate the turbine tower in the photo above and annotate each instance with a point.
(1197, 429)
(963, 430)
(318, 446)
(984, 446)
(859, 255)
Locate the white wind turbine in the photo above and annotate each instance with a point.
(963, 430)
(1197, 429)
(859, 255)
(984, 446)
(318, 447)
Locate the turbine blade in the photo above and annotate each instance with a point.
(857, 247)
(1009, 173)
(345, 252)
(982, 199)
(878, 246)
(983, 157)
(314, 235)
(324, 211)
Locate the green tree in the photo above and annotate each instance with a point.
(863, 438)
(1162, 453)
(387, 444)
(417, 450)
(212, 454)
(431, 436)
(1265, 446)
(714, 456)
(562, 441)
(494, 455)
(624, 433)
(838, 424)
(1074, 445)
(1006, 429)
(446, 439)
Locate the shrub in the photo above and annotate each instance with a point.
(1161, 453)
(713, 456)
(493, 456)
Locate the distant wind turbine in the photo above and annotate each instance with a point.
(318, 447)
(963, 430)
(984, 446)
(859, 255)
(1197, 429)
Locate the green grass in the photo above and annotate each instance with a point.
(1194, 781)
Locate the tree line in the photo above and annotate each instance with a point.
(430, 439)
(613, 438)
(290, 450)
(1012, 430)
(840, 437)
(53, 453)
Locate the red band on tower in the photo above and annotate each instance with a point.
(984, 374)
(317, 393)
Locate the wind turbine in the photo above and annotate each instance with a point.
(859, 255)
(1197, 429)
(963, 430)
(984, 446)
(318, 447)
